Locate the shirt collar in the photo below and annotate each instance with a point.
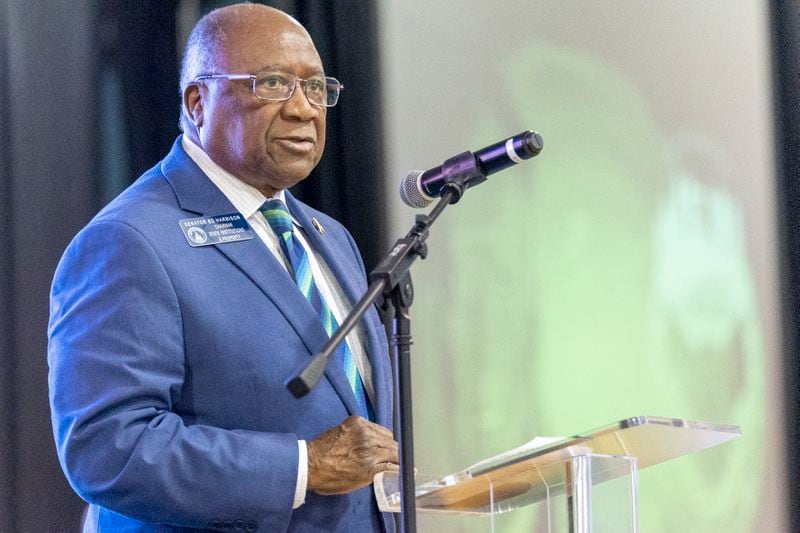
(245, 198)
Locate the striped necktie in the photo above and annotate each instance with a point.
(280, 221)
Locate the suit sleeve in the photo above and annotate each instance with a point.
(117, 366)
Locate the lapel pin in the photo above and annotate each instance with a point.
(317, 226)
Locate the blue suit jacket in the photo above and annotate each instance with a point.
(167, 365)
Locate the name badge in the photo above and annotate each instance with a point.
(219, 229)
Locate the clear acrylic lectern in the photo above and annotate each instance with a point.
(563, 474)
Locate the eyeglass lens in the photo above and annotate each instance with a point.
(281, 86)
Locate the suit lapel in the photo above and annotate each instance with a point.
(198, 194)
(348, 279)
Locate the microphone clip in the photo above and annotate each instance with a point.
(461, 172)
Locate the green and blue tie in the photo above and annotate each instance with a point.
(280, 221)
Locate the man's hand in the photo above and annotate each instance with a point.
(348, 456)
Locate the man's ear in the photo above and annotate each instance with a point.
(193, 104)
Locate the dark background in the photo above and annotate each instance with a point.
(786, 70)
(90, 93)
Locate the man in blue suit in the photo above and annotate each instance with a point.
(178, 311)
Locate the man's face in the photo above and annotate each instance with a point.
(269, 145)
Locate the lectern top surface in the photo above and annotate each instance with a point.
(536, 471)
(650, 439)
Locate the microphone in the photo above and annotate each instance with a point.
(419, 189)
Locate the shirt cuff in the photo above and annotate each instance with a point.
(302, 475)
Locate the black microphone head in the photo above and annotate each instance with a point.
(410, 191)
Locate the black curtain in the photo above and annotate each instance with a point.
(138, 45)
(47, 194)
(90, 93)
(786, 66)
(7, 452)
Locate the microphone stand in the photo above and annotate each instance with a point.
(391, 280)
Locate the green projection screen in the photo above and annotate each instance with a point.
(628, 270)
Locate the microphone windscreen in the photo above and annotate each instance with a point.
(410, 192)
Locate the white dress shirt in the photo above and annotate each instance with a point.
(247, 200)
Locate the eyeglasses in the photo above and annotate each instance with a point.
(280, 86)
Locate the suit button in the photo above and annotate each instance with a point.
(216, 524)
(250, 526)
(239, 524)
(228, 524)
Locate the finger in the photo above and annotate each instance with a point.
(380, 429)
(384, 441)
(386, 455)
(375, 435)
(385, 466)
(376, 428)
(364, 430)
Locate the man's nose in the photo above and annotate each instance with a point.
(298, 105)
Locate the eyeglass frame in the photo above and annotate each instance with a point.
(254, 78)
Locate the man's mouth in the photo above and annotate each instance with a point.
(297, 144)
